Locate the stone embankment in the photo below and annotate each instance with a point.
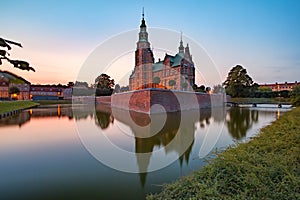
(156, 100)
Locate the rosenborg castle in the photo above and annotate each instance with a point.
(173, 72)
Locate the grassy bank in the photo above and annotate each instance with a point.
(267, 167)
(8, 106)
(260, 100)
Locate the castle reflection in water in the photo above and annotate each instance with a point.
(179, 127)
(237, 120)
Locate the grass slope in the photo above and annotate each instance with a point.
(267, 167)
(8, 106)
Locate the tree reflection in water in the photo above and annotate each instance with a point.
(103, 119)
(240, 120)
(175, 137)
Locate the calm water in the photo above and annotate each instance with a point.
(44, 153)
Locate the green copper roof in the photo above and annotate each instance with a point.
(157, 66)
(177, 59)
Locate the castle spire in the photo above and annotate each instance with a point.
(143, 24)
(181, 47)
(143, 53)
(187, 54)
(143, 35)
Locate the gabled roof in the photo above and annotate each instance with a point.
(13, 77)
(175, 61)
(157, 66)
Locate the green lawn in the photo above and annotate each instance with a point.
(7, 106)
(267, 167)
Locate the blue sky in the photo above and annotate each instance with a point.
(58, 36)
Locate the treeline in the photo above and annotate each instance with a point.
(270, 94)
(104, 86)
(239, 84)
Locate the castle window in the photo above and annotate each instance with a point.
(184, 70)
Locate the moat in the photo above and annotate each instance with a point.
(42, 155)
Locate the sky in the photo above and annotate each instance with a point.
(58, 37)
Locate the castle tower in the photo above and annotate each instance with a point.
(187, 54)
(181, 47)
(143, 57)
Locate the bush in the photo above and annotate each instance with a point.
(295, 101)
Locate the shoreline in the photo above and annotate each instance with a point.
(266, 167)
(9, 108)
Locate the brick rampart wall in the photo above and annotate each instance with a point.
(158, 100)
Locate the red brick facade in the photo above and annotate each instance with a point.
(281, 86)
(27, 91)
(173, 72)
(8, 80)
(160, 100)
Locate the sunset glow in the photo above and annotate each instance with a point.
(59, 36)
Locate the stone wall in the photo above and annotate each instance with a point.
(91, 100)
(156, 100)
(103, 100)
(159, 100)
(138, 100)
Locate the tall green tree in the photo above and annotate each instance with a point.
(14, 90)
(104, 85)
(104, 81)
(238, 82)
